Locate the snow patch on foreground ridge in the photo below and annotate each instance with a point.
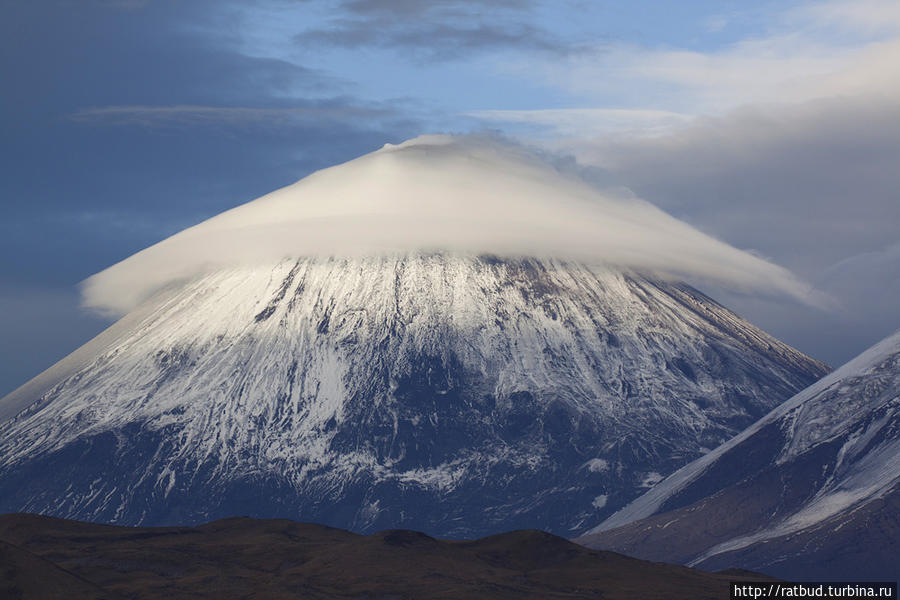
(454, 394)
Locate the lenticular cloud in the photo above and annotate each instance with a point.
(438, 193)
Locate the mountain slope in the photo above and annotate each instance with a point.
(811, 490)
(25, 576)
(455, 394)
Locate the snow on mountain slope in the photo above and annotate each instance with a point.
(797, 480)
(452, 393)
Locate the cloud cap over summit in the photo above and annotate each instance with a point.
(467, 194)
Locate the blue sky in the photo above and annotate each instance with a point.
(771, 125)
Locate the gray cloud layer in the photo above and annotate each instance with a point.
(781, 179)
(813, 186)
(436, 30)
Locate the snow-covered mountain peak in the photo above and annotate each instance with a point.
(449, 334)
(455, 394)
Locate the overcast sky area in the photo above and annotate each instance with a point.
(772, 126)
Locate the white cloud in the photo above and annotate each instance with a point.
(801, 58)
(780, 69)
(440, 193)
(716, 23)
(862, 16)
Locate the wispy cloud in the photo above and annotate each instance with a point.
(576, 121)
(418, 9)
(785, 68)
(173, 116)
(434, 31)
(716, 23)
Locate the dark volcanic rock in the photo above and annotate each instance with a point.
(26, 576)
(248, 558)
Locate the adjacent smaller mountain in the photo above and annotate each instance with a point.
(811, 491)
(272, 559)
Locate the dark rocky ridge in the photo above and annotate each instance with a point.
(268, 559)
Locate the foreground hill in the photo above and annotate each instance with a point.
(810, 491)
(271, 559)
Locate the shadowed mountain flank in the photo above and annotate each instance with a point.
(811, 491)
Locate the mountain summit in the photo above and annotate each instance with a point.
(453, 390)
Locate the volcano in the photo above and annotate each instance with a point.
(436, 336)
